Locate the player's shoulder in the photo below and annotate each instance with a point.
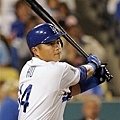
(61, 64)
(65, 66)
(37, 62)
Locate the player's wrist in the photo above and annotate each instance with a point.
(93, 66)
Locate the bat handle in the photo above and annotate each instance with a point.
(76, 46)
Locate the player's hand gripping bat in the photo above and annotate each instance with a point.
(40, 11)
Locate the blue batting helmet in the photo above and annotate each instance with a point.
(43, 33)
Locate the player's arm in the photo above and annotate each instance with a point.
(90, 75)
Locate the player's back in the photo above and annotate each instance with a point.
(40, 96)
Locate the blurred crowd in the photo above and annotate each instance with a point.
(16, 19)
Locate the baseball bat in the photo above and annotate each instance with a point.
(40, 11)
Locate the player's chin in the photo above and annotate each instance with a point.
(57, 57)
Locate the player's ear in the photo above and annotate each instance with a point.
(34, 51)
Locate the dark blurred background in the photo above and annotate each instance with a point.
(93, 24)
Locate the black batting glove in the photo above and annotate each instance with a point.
(103, 74)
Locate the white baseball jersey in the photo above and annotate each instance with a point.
(44, 88)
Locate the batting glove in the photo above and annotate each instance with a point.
(94, 61)
(103, 74)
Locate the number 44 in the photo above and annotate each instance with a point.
(24, 94)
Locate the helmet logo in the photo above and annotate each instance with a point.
(54, 29)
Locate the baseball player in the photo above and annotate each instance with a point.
(46, 84)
